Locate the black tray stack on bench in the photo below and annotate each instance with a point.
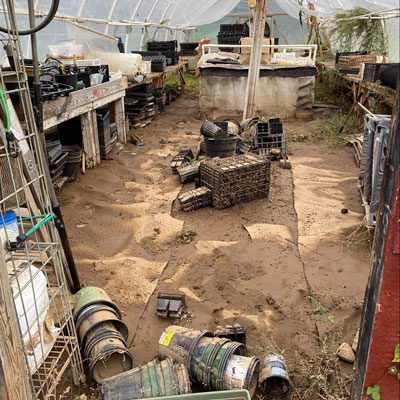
(107, 132)
(140, 103)
(169, 49)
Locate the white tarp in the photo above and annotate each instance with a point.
(173, 16)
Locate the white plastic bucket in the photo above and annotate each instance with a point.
(31, 299)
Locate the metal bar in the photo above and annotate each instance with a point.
(110, 15)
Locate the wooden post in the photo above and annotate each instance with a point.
(381, 316)
(13, 365)
(120, 120)
(255, 60)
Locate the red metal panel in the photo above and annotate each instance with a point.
(387, 322)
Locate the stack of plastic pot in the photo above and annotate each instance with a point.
(214, 363)
(155, 379)
(102, 334)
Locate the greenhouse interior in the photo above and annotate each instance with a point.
(200, 200)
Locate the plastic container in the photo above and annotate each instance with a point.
(96, 79)
(66, 50)
(31, 299)
(68, 79)
(8, 227)
(128, 64)
(155, 379)
(223, 147)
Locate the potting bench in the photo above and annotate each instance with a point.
(84, 103)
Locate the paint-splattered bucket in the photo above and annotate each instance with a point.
(179, 343)
(242, 373)
(274, 379)
(155, 379)
(221, 360)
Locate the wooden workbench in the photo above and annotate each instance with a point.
(357, 85)
(84, 103)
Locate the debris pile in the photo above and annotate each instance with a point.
(194, 199)
(215, 361)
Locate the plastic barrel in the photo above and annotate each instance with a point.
(242, 373)
(274, 380)
(108, 358)
(179, 343)
(223, 147)
(155, 379)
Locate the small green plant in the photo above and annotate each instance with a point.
(319, 308)
(328, 130)
(185, 237)
(374, 392)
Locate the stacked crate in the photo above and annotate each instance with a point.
(237, 179)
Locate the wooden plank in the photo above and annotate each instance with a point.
(255, 60)
(81, 97)
(94, 132)
(12, 355)
(76, 112)
(119, 108)
(88, 145)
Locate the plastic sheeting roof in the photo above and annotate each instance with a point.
(166, 19)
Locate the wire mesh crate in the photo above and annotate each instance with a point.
(35, 295)
(236, 179)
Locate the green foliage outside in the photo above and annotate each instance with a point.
(360, 34)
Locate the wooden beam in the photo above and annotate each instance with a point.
(281, 34)
(12, 355)
(255, 60)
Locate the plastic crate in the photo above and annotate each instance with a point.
(241, 394)
(262, 129)
(272, 141)
(236, 179)
(275, 125)
(373, 70)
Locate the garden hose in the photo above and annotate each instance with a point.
(43, 24)
(9, 131)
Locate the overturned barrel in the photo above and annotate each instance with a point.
(211, 130)
(221, 147)
(274, 379)
(214, 363)
(179, 343)
(155, 379)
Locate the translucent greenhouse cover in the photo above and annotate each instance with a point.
(137, 21)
